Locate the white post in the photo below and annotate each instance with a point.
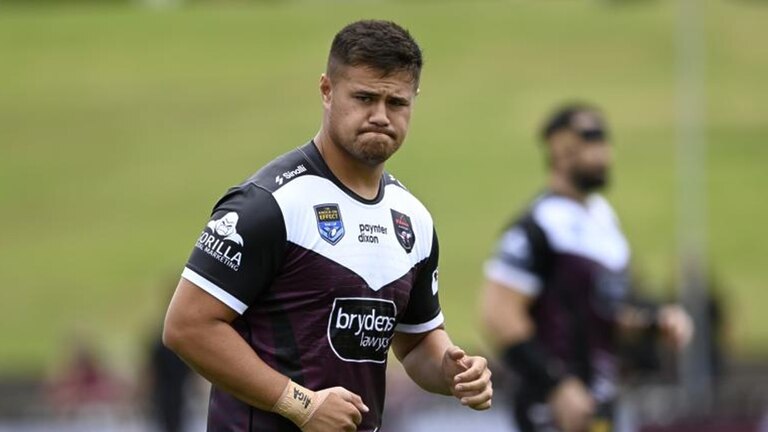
(695, 365)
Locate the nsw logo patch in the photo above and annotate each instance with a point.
(360, 329)
(329, 222)
(403, 230)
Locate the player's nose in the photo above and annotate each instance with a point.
(379, 115)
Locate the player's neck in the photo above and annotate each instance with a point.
(560, 185)
(362, 179)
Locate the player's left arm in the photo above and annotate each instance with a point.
(427, 353)
(438, 366)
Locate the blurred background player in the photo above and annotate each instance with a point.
(556, 291)
(168, 381)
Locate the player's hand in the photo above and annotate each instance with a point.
(339, 410)
(676, 325)
(468, 378)
(572, 405)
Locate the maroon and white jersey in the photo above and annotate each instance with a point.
(573, 259)
(321, 278)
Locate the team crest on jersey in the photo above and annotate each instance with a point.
(329, 222)
(403, 230)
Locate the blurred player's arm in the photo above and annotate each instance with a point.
(198, 328)
(438, 366)
(671, 320)
(505, 315)
(510, 329)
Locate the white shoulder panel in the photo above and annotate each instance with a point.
(590, 230)
(368, 246)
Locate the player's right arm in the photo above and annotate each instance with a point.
(233, 262)
(197, 327)
(513, 281)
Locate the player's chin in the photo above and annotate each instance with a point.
(377, 150)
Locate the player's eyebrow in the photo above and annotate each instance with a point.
(375, 95)
(399, 100)
(368, 93)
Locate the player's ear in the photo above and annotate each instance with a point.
(325, 90)
(555, 148)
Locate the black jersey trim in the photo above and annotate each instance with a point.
(424, 327)
(263, 225)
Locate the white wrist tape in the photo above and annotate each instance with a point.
(297, 403)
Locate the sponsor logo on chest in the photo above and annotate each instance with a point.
(361, 329)
(369, 233)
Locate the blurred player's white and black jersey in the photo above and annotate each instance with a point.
(573, 258)
(322, 279)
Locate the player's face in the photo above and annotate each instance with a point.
(586, 154)
(367, 114)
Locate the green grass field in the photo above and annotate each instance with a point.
(120, 127)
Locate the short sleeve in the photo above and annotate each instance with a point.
(519, 259)
(423, 312)
(240, 249)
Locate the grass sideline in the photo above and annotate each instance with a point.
(120, 127)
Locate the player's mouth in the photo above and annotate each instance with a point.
(386, 132)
